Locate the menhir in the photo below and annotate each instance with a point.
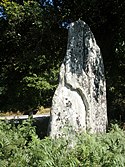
(79, 101)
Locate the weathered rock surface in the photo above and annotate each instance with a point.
(79, 101)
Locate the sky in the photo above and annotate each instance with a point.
(2, 13)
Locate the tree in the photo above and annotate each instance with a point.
(33, 45)
(26, 70)
(106, 19)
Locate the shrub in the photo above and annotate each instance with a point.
(21, 147)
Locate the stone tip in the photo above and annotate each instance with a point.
(79, 21)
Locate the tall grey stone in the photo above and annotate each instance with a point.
(79, 101)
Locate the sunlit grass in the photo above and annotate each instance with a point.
(41, 110)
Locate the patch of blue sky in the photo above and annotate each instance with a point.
(2, 15)
(46, 2)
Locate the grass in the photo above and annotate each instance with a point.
(41, 110)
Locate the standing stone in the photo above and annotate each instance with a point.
(79, 101)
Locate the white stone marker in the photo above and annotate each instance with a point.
(79, 102)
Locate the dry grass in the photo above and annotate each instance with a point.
(11, 113)
(41, 110)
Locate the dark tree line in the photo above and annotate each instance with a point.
(33, 41)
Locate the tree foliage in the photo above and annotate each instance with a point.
(33, 45)
(29, 57)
